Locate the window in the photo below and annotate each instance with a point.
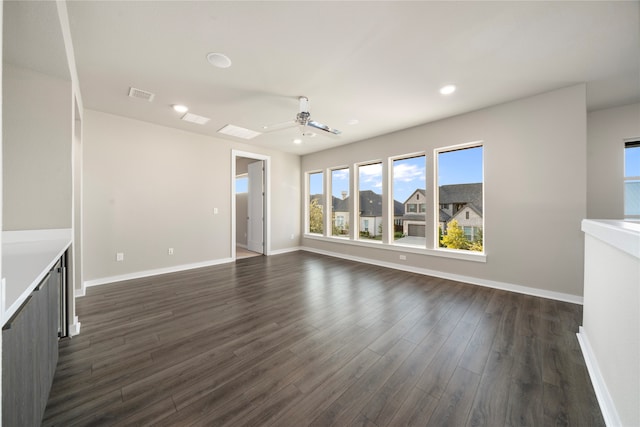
(632, 179)
(468, 233)
(340, 202)
(409, 183)
(386, 202)
(460, 184)
(242, 183)
(316, 203)
(370, 201)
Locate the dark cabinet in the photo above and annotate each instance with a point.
(30, 353)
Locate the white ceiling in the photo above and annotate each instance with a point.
(380, 62)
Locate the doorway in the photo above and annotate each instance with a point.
(250, 201)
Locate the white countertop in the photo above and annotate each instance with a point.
(623, 235)
(27, 257)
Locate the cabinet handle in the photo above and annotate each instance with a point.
(16, 314)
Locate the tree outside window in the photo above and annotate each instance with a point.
(316, 202)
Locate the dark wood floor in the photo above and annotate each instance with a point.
(302, 339)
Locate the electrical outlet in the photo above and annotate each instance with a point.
(292, 237)
(403, 257)
(215, 211)
(170, 251)
(120, 256)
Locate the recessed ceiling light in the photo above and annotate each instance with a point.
(219, 60)
(297, 141)
(180, 108)
(353, 122)
(447, 90)
(310, 134)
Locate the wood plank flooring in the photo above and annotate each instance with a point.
(303, 339)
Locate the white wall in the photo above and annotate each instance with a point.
(37, 142)
(606, 132)
(147, 188)
(610, 332)
(535, 190)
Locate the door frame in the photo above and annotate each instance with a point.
(266, 201)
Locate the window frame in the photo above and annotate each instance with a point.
(356, 200)
(387, 242)
(307, 224)
(436, 195)
(329, 196)
(628, 143)
(391, 210)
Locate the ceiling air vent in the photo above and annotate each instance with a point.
(141, 94)
(239, 132)
(194, 118)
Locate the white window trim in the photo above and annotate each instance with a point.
(356, 200)
(436, 194)
(329, 197)
(387, 182)
(390, 211)
(627, 178)
(307, 200)
(399, 248)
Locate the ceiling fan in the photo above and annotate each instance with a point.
(303, 119)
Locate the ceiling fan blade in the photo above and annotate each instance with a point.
(277, 126)
(325, 128)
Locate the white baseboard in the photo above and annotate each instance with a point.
(285, 251)
(74, 329)
(155, 272)
(80, 292)
(574, 299)
(241, 245)
(607, 407)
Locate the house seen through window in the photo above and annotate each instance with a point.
(460, 188)
(409, 194)
(370, 201)
(340, 202)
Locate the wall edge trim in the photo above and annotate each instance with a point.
(607, 406)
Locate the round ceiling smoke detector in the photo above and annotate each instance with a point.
(219, 60)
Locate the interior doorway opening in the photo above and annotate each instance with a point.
(250, 197)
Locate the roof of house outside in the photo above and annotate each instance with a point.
(419, 190)
(370, 204)
(444, 217)
(462, 193)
